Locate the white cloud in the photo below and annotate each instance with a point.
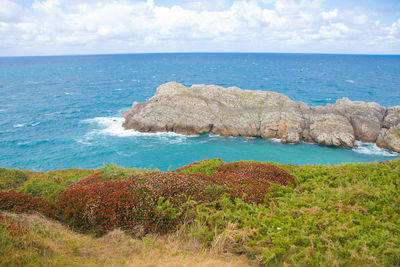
(9, 11)
(395, 29)
(78, 26)
(330, 15)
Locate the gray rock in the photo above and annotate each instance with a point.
(389, 136)
(330, 129)
(392, 117)
(366, 118)
(236, 112)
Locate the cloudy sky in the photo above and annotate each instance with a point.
(56, 27)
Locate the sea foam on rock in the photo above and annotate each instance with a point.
(236, 112)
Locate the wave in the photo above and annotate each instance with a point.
(113, 126)
(373, 149)
(19, 125)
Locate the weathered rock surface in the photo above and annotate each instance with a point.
(389, 135)
(236, 112)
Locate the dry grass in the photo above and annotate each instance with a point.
(60, 246)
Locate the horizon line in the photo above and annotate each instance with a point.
(157, 53)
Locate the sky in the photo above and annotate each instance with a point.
(69, 27)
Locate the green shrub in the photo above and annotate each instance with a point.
(61, 175)
(45, 189)
(207, 167)
(48, 185)
(112, 171)
(11, 178)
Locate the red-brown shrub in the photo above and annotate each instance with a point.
(250, 178)
(19, 202)
(258, 171)
(130, 203)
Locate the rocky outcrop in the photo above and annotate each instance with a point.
(236, 112)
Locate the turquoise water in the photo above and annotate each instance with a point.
(63, 112)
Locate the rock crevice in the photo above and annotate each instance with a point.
(233, 111)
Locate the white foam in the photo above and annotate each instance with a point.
(19, 125)
(34, 124)
(373, 149)
(275, 140)
(84, 141)
(23, 143)
(350, 81)
(113, 126)
(67, 93)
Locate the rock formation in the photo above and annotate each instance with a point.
(236, 112)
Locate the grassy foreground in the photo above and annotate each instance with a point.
(208, 213)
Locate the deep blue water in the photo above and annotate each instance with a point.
(65, 111)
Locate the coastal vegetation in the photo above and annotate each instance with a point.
(208, 212)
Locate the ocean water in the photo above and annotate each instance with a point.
(65, 111)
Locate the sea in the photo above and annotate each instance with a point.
(59, 112)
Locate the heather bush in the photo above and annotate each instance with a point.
(250, 179)
(11, 179)
(129, 204)
(20, 203)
